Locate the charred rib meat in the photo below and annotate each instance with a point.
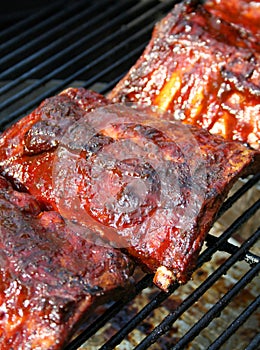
(144, 183)
(242, 14)
(50, 277)
(27, 149)
(202, 64)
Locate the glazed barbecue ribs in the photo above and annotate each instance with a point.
(50, 278)
(243, 14)
(27, 149)
(132, 178)
(203, 65)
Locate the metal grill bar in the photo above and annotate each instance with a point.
(227, 247)
(215, 311)
(51, 52)
(207, 254)
(126, 32)
(66, 51)
(43, 32)
(238, 194)
(155, 302)
(55, 41)
(145, 282)
(26, 107)
(223, 302)
(171, 318)
(16, 33)
(254, 344)
(130, 56)
(62, 68)
(238, 322)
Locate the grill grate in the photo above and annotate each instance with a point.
(127, 28)
(92, 44)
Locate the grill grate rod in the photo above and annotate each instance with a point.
(138, 318)
(115, 65)
(53, 26)
(218, 307)
(247, 214)
(32, 103)
(112, 83)
(161, 296)
(255, 343)
(230, 248)
(15, 33)
(79, 42)
(145, 282)
(167, 323)
(155, 302)
(238, 194)
(25, 108)
(233, 327)
(19, 56)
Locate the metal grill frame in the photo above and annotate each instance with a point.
(115, 32)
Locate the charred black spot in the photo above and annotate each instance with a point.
(41, 137)
(96, 144)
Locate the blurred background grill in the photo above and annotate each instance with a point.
(46, 47)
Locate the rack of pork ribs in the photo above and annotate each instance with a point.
(202, 65)
(72, 168)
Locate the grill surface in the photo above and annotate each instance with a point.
(92, 44)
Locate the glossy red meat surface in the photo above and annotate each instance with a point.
(244, 14)
(50, 277)
(203, 65)
(27, 149)
(130, 177)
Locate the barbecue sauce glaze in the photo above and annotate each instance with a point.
(124, 176)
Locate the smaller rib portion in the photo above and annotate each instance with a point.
(203, 65)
